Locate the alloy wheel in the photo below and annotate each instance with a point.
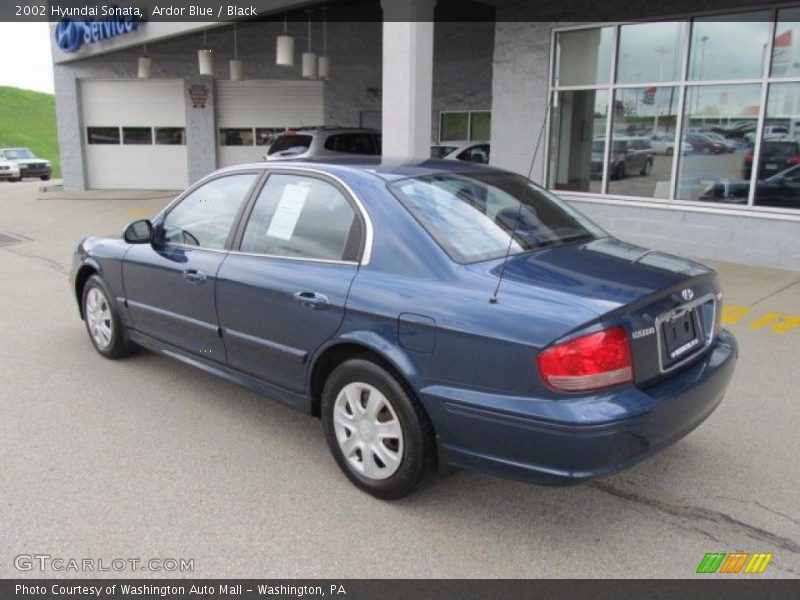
(98, 318)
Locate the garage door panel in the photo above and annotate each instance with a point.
(133, 103)
(137, 167)
(264, 103)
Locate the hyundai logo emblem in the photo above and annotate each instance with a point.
(69, 35)
(687, 294)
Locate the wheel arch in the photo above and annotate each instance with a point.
(89, 268)
(358, 344)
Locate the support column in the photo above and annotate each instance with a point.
(407, 77)
(201, 138)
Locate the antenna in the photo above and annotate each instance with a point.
(493, 297)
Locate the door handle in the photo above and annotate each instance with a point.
(311, 299)
(194, 276)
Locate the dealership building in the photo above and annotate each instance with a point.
(680, 131)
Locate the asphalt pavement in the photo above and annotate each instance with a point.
(148, 458)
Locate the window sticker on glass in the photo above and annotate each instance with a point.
(288, 212)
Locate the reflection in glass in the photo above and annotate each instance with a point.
(481, 126)
(729, 47)
(643, 126)
(786, 48)
(778, 174)
(579, 119)
(583, 57)
(716, 120)
(137, 135)
(650, 52)
(170, 136)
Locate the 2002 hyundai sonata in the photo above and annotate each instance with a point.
(426, 311)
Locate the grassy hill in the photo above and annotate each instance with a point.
(28, 119)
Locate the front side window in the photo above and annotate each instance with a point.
(475, 217)
(476, 154)
(302, 217)
(204, 218)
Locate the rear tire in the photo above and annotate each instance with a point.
(45, 177)
(102, 321)
(646, 168)
(377, 431)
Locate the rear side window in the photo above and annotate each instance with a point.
(478, 216)
(302, 217)
(352, 143)
(204, 217)
(298, 143)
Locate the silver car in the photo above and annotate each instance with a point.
(325, 141)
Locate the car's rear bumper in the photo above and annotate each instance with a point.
(564, 441)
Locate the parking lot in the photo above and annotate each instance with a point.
(148, 458)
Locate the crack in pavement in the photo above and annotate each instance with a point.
(48, 261)
(756, 503)
(697, 513)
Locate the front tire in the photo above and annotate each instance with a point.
(376, 429)
(45, 178)
(102, 321)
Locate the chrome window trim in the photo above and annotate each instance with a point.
(366, 255)
(659, 320)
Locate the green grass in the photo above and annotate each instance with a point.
(28, 119)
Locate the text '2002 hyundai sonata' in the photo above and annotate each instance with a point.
(428, 312)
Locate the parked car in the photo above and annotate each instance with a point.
(9, 170)
(771, 132)
(628, 155)
(781, 190)
(325, 141)
(704, 144)
(477, 152)
(442, 150)
(776, 156)
(427, 311)
(728, 145)
(29, 165)
(665, 144)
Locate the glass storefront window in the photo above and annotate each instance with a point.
(786, 46)
(650, 52)
(454, 127)
(643, 141)
(729, 47)
(577, 131)
(583, 56)
(481, 126)
(778, 177)
(716, 122)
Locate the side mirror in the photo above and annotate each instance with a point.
(139, 232)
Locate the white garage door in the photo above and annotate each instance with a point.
(134, 134)
(251, 113)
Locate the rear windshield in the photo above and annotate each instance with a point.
(476, 216)
(300, 143)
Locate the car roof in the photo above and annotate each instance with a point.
(384, 167)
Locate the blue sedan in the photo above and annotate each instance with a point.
(431, 312)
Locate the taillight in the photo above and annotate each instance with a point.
(590, 362)
(748, 159)
(793, 160)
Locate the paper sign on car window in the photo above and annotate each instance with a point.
(288, 212)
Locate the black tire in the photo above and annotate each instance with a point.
(15, 179)
(45, 178)
(646, 168)
(418, 447)
(118, 347)
(669, 151)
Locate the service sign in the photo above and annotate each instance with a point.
(70, 35)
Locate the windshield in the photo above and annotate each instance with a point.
(299, 143)
(18, 153)
(474, 216)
